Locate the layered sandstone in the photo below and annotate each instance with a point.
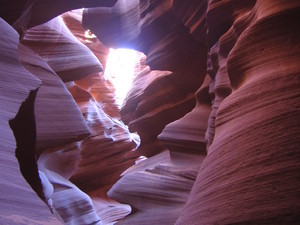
(172, 42)
(156, 187)
(250, 174)
(18, 91)
(215, 100)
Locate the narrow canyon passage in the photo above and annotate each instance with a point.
(147, 112)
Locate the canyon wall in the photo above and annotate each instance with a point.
(214, 99)
(250, 174)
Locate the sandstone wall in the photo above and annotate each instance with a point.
(215, 102)
(250, 173)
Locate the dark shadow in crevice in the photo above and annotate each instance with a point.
(24, 129)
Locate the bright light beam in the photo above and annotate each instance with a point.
(120, 71)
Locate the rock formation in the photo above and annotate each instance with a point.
(208, 133)
(18, 91)
(250, 173)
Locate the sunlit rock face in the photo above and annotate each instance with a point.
(172, 35)
(214, 99)
(106, 153)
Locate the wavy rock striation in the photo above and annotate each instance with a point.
(104, 155)
(67, 200)
(171, 42)
(250, 174)
(30, 13)
(156, 187)
(106, 152)
(53, 103)
(188, 133)
(61, 50)
(215, 102)
(18, 90)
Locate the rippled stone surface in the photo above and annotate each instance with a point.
(250, 174)
(53, 103)
(188, 133)
(173, 38)
(215, 102)
(19, 203)
(156, 187)
(61, 50)
(30, 13)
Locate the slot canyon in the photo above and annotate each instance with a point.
(150, 112)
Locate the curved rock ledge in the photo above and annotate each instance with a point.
(17, 91)
(215, 101)
(249, 175)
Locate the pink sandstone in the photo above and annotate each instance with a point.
(215, 101)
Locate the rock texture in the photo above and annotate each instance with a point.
(156, 187)
(67, 200)
(61, 50)
(188, 133)
(214, 99)
(27, 14)
(250, 174)
(105, 154)
(18, 90)
(172, 42)
(53, 103)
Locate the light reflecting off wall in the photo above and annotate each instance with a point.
(89, 37)
(120, 71)
(89, 34)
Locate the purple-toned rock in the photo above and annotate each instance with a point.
(67, 56)
(19, 203)
(58, 118)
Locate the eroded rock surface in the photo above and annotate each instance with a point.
(173, 38)
(215, 101)
(69, 58)
(157, 186)
(250, 174)
(53, 103)
(19, 203)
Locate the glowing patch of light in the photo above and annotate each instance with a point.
(89, 37)
(96, 114)
(140, 159)
(120, 71)
(89, 34)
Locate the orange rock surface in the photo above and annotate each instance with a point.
(207, 134)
